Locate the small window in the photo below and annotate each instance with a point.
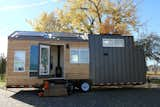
(113, 42)
(19, 61)
(80, 55)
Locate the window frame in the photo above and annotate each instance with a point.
(79, 49)
(24, 52)
(113, 43)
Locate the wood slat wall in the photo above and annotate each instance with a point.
(71, 71)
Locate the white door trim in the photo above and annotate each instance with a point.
(41, 71)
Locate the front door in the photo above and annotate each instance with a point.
(44, 64)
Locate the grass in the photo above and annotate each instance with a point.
(155, 81)
(156, 74)
(2, 83)
(153, 73)
(2, 80)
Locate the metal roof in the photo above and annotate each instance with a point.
(32, 35)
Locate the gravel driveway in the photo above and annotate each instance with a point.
(113, 97)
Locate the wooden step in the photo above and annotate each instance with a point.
(56, 90)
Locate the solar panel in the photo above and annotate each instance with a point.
(49, 35)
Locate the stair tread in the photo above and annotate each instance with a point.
(56, 89)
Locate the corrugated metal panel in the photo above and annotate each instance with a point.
(115, 64)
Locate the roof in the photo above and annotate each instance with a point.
(32, 35)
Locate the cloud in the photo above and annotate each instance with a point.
(55, 0)
(22, 6)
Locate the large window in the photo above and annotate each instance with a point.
(19, 61)
(79, 55)
(113, 42)
(34, 58)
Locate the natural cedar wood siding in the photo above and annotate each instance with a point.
(71, 71)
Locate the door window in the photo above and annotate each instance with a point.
(44, 60)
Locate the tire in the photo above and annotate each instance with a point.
(85, 86)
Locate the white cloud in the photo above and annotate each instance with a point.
(55, 0)
(21, 6)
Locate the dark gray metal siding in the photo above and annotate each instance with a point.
(117, 64)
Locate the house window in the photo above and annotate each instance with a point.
(79, 55)
(113, 42)
(19, 61)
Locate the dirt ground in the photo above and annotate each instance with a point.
(98, 97)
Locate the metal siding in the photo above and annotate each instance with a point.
(125, 57)
(113, 73)
(119, 64)
(135, 65)
(115, 65)
(131, 66)
(102, 76)
(122, 65)
(92, 56)
(110, 71)
(97, 74)
(106, 65)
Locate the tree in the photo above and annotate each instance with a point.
(121, 18)
(3, 62)
(151, 45)
(84, 15)
(46, 22)
(88, 16)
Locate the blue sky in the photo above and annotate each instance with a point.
(13, 14)
(149, 12)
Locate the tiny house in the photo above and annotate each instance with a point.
(79, 58)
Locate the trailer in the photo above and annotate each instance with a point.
(78, 60)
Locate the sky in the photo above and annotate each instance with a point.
(13, 15)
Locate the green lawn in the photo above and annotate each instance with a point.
(2, 83)
(153, 73)
(2, 80)
(155, 81)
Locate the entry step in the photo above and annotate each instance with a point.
(56, 90)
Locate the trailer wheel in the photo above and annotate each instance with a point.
(85, 86)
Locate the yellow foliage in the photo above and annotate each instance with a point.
(90, 16)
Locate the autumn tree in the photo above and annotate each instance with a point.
(90, 16)
(121, 18)
(84, 16)
(46, 22)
